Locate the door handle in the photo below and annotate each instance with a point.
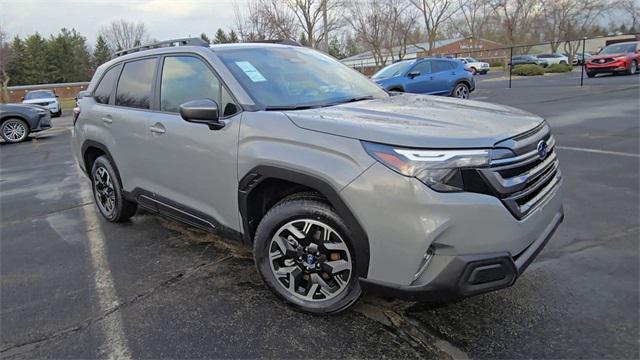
(157, 129)
(107, 119)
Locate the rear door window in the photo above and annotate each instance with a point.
(135, 84)
(441, 65)
(103, 91)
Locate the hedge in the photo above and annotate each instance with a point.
(528, 70)
(558, 68)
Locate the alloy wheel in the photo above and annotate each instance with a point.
(104, 191)
(310, 260)
(461, 92)
(14, 130)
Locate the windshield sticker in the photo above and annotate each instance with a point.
(250, 71)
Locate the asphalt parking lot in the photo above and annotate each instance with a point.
(74, 286)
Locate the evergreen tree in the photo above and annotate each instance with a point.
(34, 60)
(101, 53)
(221, 37)
(204, 37)
(15, 68)
(68, 59)
(233, 37)
(335, 48)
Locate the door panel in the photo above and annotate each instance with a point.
(423, 83)
(189, 164)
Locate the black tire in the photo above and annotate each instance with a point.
(14, 130)
(562, 62)
(121, 209)
(58, 114)
(591, 74)
(299, 207)
(633, 68)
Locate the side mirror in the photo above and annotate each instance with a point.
(203, 111)
(413, 74)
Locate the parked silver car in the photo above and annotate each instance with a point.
(337, 185)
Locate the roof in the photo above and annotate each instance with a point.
(411, 49)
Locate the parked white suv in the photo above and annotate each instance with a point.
(46, 98)
(475, 66)
(554, 58)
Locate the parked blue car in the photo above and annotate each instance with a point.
(433, 76)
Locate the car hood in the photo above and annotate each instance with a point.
(606, 56)
(419, 121)
(18, 107)
(37, 101)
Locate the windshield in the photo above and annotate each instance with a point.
(392, 70)
(619, 48)
(39, 95)
(288, 77)
(471, 60)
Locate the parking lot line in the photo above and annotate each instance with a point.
(596, 151)
(115, 343)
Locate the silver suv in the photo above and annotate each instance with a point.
(339, 186)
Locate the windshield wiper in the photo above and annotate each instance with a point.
(353, 99)
(290, 107)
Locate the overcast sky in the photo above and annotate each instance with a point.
(165, 19)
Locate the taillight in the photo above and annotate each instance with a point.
(76, 113)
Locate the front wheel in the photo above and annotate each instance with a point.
(461, 91)
(591, 74)
(303, 252)
(14, 130)
(107, 192)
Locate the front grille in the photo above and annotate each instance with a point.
(524, 181)
(599, 61)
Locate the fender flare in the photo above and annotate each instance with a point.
(91, 143)
(260, 173)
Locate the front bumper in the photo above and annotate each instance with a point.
(403, 219)
(44, 123)
(469, 275)
(611, 67)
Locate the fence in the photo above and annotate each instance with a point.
(65, 90)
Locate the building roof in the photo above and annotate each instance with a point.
(411, 50)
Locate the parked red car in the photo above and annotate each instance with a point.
(616, 58)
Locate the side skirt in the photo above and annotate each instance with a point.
(179, 212)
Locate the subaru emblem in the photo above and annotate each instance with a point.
(542, 149)
(310, 259)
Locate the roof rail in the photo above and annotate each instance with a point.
(196, 41)
(276, 41)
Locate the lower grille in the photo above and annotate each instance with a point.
(524, 181)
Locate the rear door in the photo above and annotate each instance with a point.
(443, 76)
(193, 169)
(127, 120)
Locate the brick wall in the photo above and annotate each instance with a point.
(64, 91)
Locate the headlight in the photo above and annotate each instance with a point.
(441, 170)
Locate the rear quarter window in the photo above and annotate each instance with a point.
(103, 91)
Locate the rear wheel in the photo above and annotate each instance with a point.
(461, 91)
(474, 71)
(107, 192)
(14, 130)
(303, 253)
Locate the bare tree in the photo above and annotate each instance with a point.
(311, 18)
(5, 57)
(368, 20)
(402, 20)
(435, 13)
(475, 14)
(264, 19)
(121, 34)
(516, 17)
(631, 8)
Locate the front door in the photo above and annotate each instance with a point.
(423, 83)
(193, 168)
